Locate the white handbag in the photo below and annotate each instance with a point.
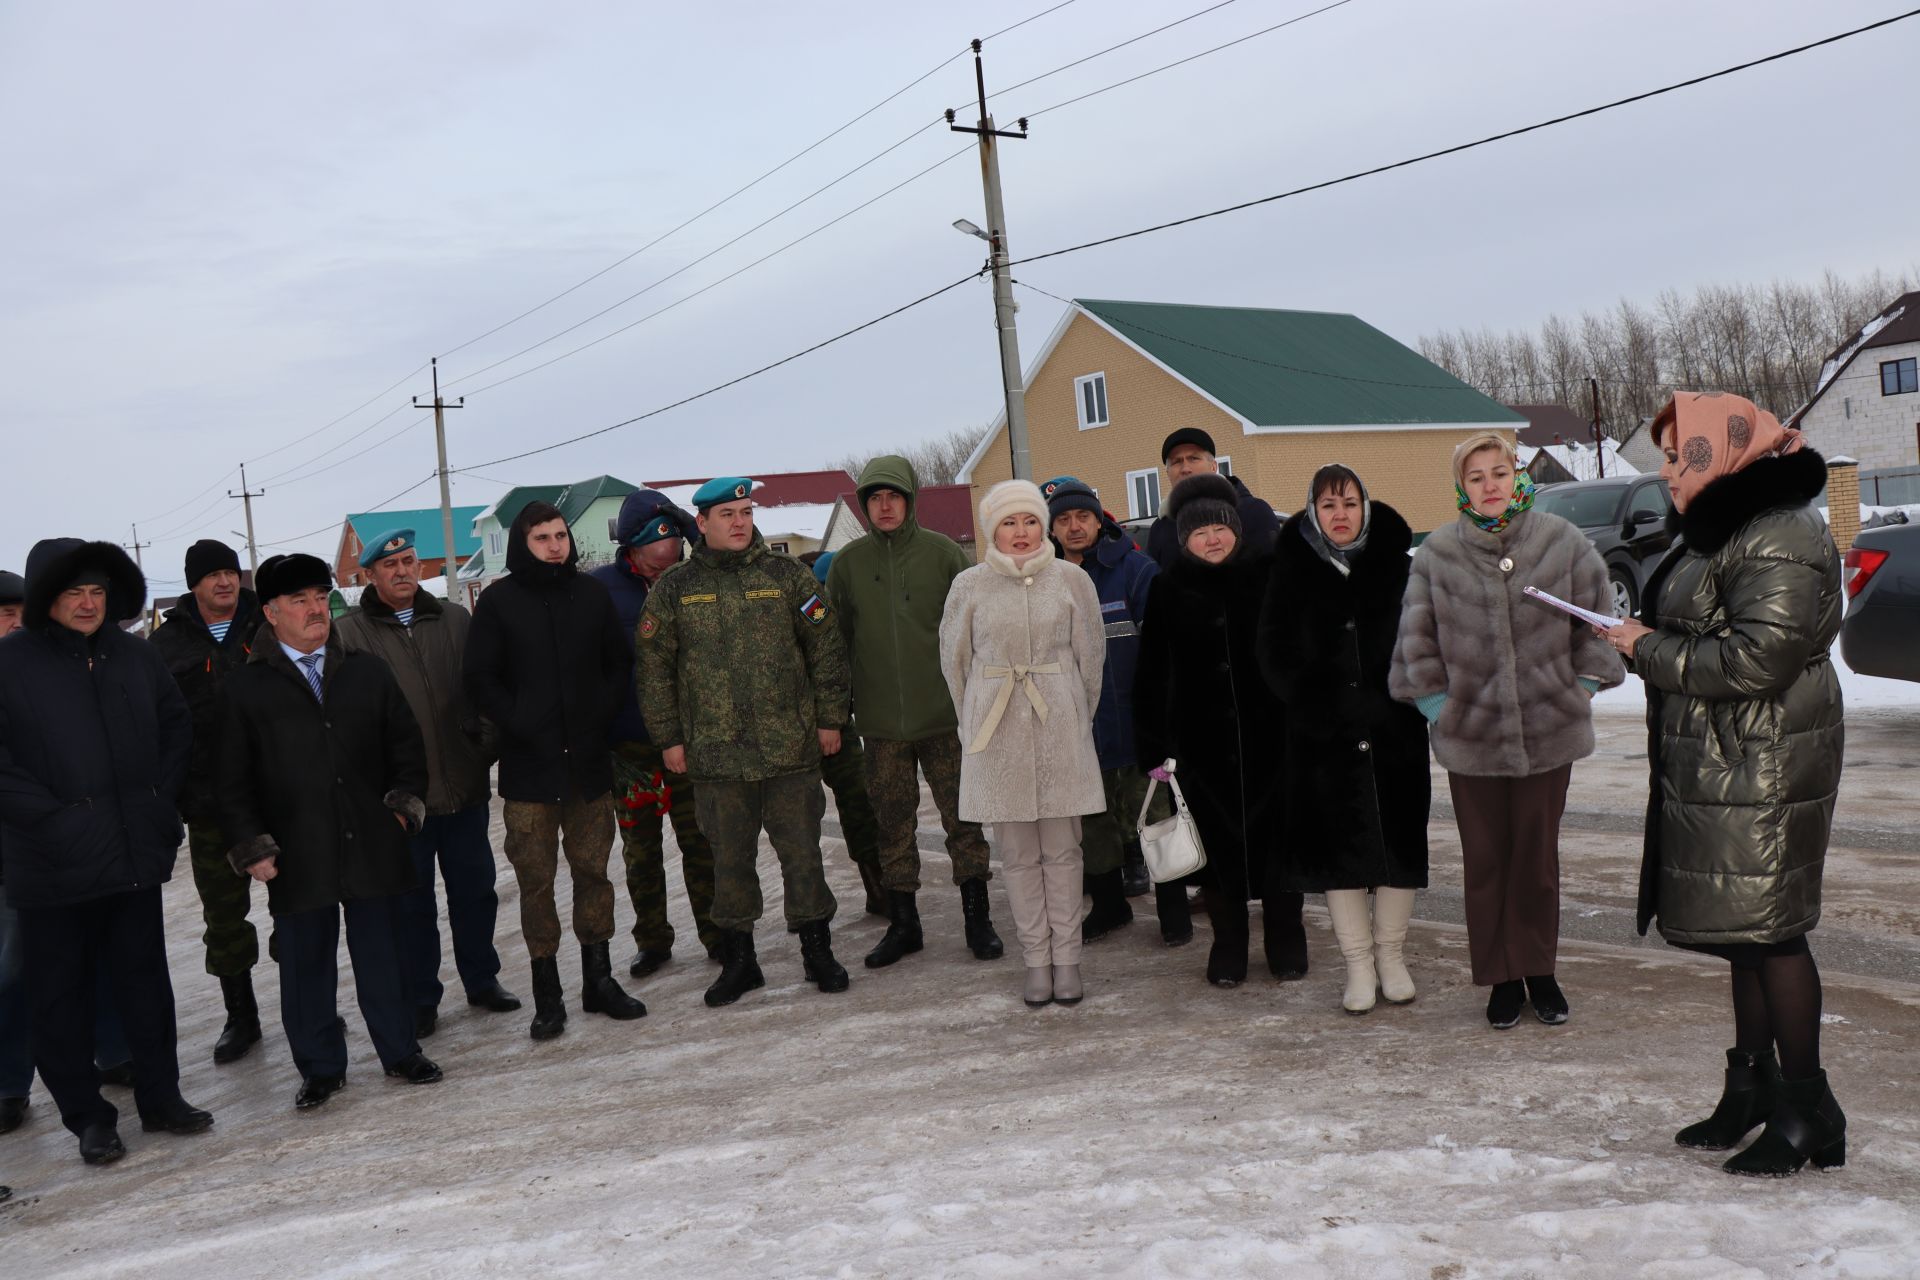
(1172, 846)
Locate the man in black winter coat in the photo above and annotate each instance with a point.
(204, 638)
(321, 775)
(1189, 452)
(94, 738)
(546, 663)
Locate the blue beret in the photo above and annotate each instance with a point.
(390, 543)
(1065, 493)
(722, 489)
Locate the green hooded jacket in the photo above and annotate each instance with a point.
(890, 590)
(740, 663)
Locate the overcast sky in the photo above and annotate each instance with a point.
(223, 226)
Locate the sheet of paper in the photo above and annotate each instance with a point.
(1606, 620)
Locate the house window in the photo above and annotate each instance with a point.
(1226, 466)
(780, 547)
(493, 543)
(613, 529)
(1090, 399)
(1143, 494)
(1900, 377)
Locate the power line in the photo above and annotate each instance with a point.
(300, 466)
(1467, 146)
(1016, 26)
(1067, 66)
(731, 382)
(1181, 62)
(190, 501)
(335, 523)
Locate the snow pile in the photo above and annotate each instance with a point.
(1582, 461)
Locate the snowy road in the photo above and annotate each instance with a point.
(925, 1123)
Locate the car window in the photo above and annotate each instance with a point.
(1649, 497)
(1577, 504)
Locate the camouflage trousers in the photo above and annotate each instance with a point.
(845, 774)
(233, 946)
(789, 808)
(1105, 836)
(639, 771)
(533, 847)
(893, 782)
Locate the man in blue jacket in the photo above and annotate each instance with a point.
(94, 739)
(652, 533)
(1089, 537)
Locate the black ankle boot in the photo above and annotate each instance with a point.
(816, 954)
(1751, 1093)
(1504, 1004)
(1227, 961)
(549, 1002)
(242, 1031)
(1806, 1124)
(599, 993)
(1134, 880)
(1176, 918)
(1284, 936)
(903, 936)
(739, 970)
(981, 939)
(1109, 910)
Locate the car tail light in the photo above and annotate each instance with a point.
(1860, 566)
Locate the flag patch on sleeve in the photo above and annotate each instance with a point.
(649, 625)
(814, 609)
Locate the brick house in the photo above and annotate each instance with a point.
(1280, 392)
(1867, 405)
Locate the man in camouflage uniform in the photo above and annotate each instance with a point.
(743, 684)
(890, 590)
(206, 636)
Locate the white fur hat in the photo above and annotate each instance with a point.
(1008, 497)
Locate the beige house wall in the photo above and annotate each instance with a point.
(1409, 470)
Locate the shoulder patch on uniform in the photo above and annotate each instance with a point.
(765, 593)
(648, 626)
(814, 609)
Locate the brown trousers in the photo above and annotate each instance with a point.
(1510, 848)
(533, 847)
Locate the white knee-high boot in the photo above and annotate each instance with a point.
(1353, 930)
(1392, 908)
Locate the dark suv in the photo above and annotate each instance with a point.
(1626, 520)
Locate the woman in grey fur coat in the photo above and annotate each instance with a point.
(1506, 681)
(1024, 651)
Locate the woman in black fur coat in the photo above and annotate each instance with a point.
(1355, 774)
(1200, 700)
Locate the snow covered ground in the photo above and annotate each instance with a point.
(927, 1124)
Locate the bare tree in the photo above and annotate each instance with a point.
(935, 461)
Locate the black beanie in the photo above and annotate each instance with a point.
(208, 556)
(1186, 435)
(283, 575)
(1199, 501)
(13, 587)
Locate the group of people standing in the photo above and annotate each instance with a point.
(1294, 674)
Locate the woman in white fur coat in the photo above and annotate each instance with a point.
(1023, 649)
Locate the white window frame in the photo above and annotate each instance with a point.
(1080, 400)
(613, 529)
(494, 542)
(1225, 462)
(1152, 476)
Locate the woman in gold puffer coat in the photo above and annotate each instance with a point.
(1745, 737)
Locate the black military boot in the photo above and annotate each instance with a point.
(1134, 880)
(739, 970)
(646, 961)
(876, 891)
(599, 993)
(176, 1116)
(816, 951)
(981, 939)
(242, 1031)
(903, 936)
(549, 1002)
(1806, 1124)
(1109, 911)
(1752, 1091)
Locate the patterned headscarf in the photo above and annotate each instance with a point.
(1716, 434)
(1522, 501)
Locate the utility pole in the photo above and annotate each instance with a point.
(135, 546)
(440, 408)
(246, 497)
(1599, 442)
(1003, 305)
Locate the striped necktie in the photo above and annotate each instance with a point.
(311, 665)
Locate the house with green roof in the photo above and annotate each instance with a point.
(591, 508)
(362, 527)
(1280, 392)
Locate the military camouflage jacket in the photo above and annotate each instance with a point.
(740, 662)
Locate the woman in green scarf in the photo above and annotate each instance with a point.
(1506, 681)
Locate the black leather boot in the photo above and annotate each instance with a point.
(1134, 880)
(1227, 961)
(981, 939)
(816, 952)
(1109, 910)
(599, 993)
(549, 1002)
(1176, 918)
(1751, 1093)
(242, 1031)
(1806, 1124)
(903, 936)
(177, 1116)
(739, 970)
(876, 891)
(1284, 936)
